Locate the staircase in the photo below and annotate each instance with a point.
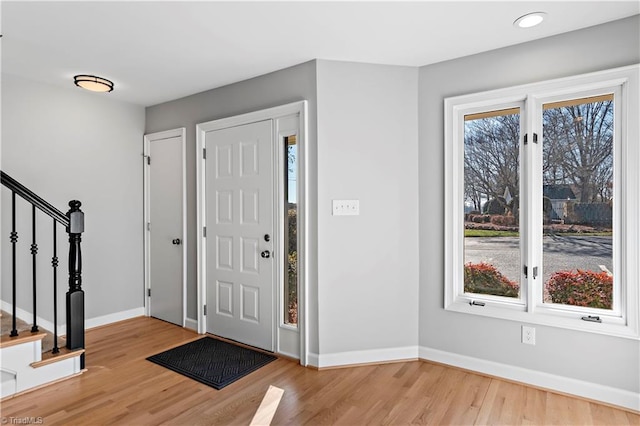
(30, 356)
(25, 366)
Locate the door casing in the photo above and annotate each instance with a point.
(148, 139)
(300, 110)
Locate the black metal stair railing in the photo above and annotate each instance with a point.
(73, 221)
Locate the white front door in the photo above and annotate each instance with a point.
(164, 187)
(240, 238)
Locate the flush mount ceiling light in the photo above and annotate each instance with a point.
(529, 20)
(93, 83)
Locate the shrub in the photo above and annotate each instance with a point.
(547, 209)
(292, 287)
(497, 219)
(292, 223)
(509, 221)
(483, 278)
(581, 288)
(514, 207)
(293, 312)
(494, 206)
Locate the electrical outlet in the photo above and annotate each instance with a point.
(528, 335)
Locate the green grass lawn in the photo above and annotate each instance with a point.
(489, 233)
(495, 233)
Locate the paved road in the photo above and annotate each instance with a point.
(559, 253)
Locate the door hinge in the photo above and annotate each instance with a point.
(148, 292)
(148, 159)
(148, 226)
(204, 153)
(204, 231)
(535, 272)
(535, 138)
(205, 309)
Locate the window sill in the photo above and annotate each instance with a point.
(289, 327)
(609, 326)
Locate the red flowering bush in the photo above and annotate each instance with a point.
(581, 288)
(483, 278)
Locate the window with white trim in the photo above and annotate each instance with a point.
(542, 203)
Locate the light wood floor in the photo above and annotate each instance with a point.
(121, 387)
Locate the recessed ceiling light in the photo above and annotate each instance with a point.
(529, 20)
(93, 83)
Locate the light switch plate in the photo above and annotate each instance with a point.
(346, 207)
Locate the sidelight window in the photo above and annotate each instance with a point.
(291, 232)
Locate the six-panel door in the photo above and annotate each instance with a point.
(239, 241)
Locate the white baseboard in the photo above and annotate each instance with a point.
(312, 359)
(363, 357)
(191, 324)
(114, 317)
(607, 394)
(62, 328)
(288, 354)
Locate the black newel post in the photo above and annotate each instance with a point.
(75, 295)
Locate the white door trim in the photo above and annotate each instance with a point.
(299, 108)
(148, 138)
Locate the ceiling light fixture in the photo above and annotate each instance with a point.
(93, 83)
(529, 20)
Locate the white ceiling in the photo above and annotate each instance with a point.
(159, 51)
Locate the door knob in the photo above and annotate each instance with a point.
(176, 241)
(265, 254)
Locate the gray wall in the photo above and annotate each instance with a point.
(366, 149)
(69, 144)
(367, 264)
(584, 356)
(281, 87)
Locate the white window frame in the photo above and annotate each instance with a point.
(624, 319)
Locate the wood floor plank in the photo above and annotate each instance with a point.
(121, 387)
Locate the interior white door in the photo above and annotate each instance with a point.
(239, 241)
(165, 229)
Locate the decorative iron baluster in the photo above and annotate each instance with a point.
(34, 253)
(75, 295)
(54, 263)
(14, 240)
(73, 220)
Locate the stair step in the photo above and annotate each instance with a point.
(24, 329)
(25, 367)
(6, 340)
(49, 357)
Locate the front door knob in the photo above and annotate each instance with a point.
(265, 254)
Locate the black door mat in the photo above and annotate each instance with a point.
(212, 361)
